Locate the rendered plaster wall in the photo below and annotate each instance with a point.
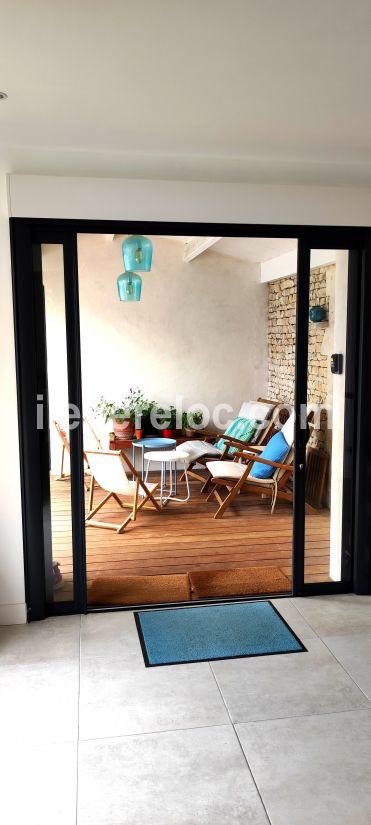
(198, 335)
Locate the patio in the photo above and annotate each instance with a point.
(185, 537)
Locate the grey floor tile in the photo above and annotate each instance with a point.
(39, 702)
(314, 769)
(110, 635)
(116, 699)
(38, 784)
(54, 638)
(293, 618)
(336, 615)
(188, 777)
(293, 684)
(354, 653)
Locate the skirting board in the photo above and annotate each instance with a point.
(13, 614)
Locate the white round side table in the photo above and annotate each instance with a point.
(170, 457)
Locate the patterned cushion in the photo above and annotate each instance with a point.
(276, 450)
(241, 428)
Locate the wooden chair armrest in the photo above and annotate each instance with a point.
(232, 440)
(247, 449)
(260, 460)
(209, 437)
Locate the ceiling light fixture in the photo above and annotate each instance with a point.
(137, 253)
(3, 96)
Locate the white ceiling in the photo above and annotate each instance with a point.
(254, 90)
(253, 250)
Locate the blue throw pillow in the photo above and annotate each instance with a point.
(276, 450)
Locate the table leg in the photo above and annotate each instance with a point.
(142, 448)
(133, 450)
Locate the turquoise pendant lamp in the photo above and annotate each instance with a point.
(129, 286)
(137, 253)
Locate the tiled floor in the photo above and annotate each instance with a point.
(90, 736)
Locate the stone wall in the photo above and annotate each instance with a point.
(281, 344)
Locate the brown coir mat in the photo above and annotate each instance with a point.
(200, 584)
(246, 581)
(123, 590)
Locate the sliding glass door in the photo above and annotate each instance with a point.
(326, 400)
(320, 364)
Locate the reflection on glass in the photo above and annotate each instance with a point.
(326, 395)
(58, 550)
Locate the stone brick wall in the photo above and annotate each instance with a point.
(281, 343)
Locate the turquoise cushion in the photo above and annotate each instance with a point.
(242, 428)
(276, 450)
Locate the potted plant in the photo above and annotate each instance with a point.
(167, 421)
(123, 418)
(191, 422)
(141, 407)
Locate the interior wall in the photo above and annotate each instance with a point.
(64, 197)
(198, 335)
(12, 595)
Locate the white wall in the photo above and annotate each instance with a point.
(12, 596)
(146, 200)
(199, 330)
(59, 197)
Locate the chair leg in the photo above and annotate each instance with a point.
(228, 499)
(211, 493)
(206, 486)
(135, 505)
(98, 506)
(274, 497)
(91, 494)
(118, 500)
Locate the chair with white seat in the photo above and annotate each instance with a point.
(223, 446)
(236, 477)
(108, 469)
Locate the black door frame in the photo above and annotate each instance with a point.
(26, 238)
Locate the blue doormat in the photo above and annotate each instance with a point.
(223, 631)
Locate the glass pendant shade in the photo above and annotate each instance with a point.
(129, 286)
(137, 253)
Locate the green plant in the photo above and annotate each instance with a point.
(133, 406)
(166, 417)
(192, 419)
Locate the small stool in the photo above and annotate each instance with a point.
(152, 444)
(170, 458)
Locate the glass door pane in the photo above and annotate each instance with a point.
(327, 341)
(58, 522)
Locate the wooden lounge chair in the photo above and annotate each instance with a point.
(63, 476)
(201, 452)
(108, 470)
(65, 449)
(235, 476)
(96, 439)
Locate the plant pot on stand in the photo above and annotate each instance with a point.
(123, 428)
(167, 433)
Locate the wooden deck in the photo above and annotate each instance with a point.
(185, 537)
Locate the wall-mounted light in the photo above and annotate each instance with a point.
(317, 314)
(129, 286)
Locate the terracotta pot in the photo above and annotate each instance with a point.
(138, 434)
(188, 432)
(123, 429)
(168, 433)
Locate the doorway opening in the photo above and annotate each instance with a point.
(209, 349)
(304, 300)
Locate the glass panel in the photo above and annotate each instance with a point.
(326, 397)
(58, 550)
(213, 328)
